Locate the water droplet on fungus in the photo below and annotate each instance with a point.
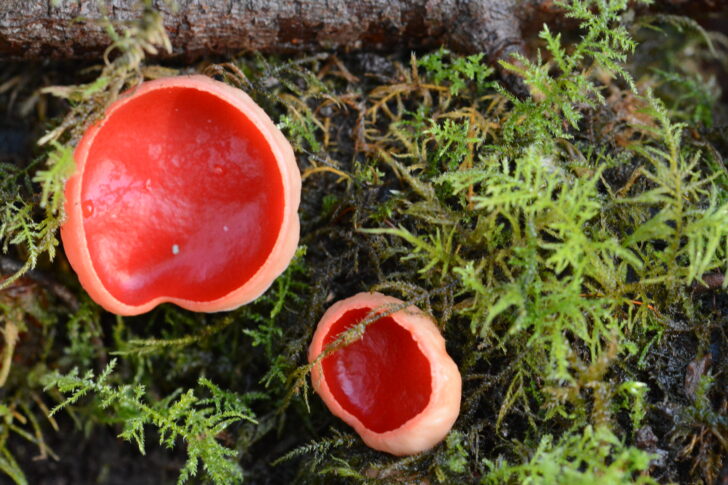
(88, 208)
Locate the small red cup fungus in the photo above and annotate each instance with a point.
(396, 385)
(185, 192)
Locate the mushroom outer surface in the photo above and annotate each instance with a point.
(185, 192)
(395, 417)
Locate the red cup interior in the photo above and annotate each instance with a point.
(383, 379)
(181, 197)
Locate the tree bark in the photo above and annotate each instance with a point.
(62, 29)
(34, 29)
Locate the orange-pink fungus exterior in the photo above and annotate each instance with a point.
(396, 385)
(185, 192)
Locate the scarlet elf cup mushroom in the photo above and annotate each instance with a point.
(185, 192)
(396, 385)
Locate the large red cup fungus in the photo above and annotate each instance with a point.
(396, 385)
(184, 192)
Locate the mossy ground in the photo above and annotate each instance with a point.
(571, 245)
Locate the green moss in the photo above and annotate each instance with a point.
(179, 416)
(595, 456)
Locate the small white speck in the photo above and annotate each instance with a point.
(175, 249)
(225, 228)
(154, 150)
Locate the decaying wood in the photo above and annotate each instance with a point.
(532, 14)
(40, 29)
(34, 29)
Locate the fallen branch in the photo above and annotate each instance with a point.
(35, 29)
(62, 29)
